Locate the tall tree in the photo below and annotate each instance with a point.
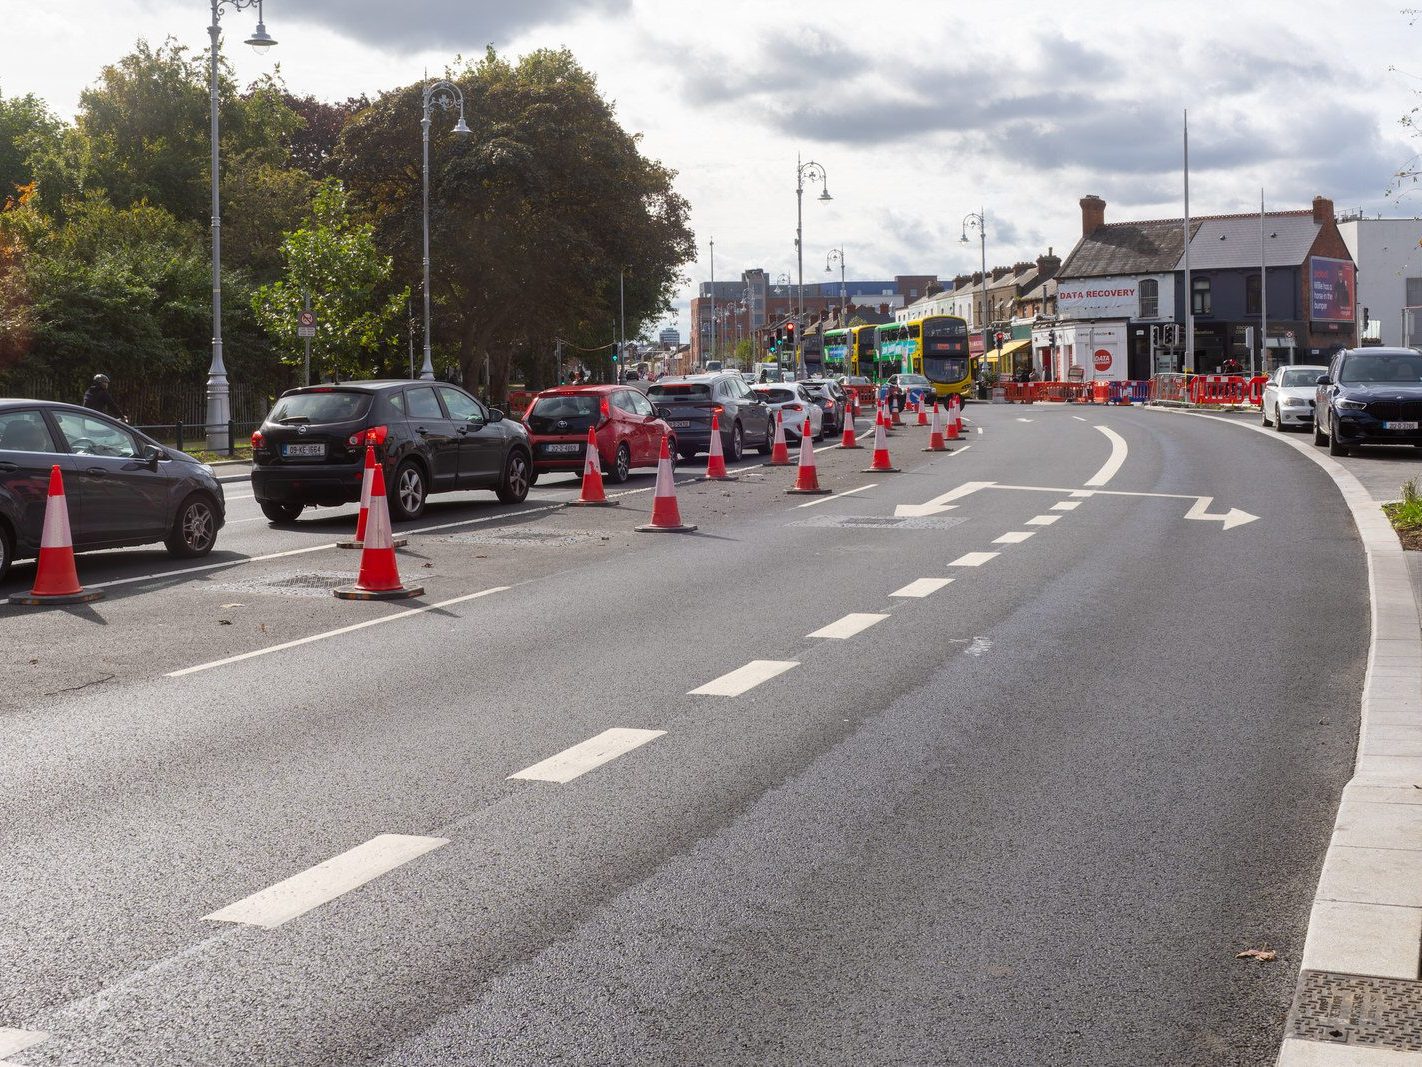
(313, 144)
(27, 128)
(532, 217)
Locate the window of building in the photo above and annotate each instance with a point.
(1414, 292)
(1150, 298)
(1251, 294)
(1200, 303)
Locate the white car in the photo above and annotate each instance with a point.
(1288, 397)
(794, 405)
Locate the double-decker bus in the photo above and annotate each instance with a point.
(862, 352)
(838, 351)
(936, 347)
(812, 355)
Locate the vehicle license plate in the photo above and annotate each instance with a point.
(1399, 426)
(303, 450)
(574, 447)
(679, 424)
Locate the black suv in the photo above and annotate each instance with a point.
(428, 438)
(688, 403)
(830, 398)
(121, 487)
(1370, 396)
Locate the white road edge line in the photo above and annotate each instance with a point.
(13, 1040)
(1078, 418)
(422, 609)
(584, 756)
(744, 679)
(326, 881)
(922, 587)
(974, 559)
(1016, 537)
(856, 622)
(827, 499)
(1113, 464)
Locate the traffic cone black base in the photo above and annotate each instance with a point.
(30, 600)
(811, 492)
(881, 470)
(356, 593)
(664, 529)
(593, 503)
(399, 542)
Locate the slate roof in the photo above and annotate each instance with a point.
(1232, 241)
(1129, 248)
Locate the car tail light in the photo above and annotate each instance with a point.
(718, 409)
(604, 411)
(374, 435)
(258, 441)
(829, 405)
(793, 407)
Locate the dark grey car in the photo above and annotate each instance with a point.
(688, 403)
(121, 487)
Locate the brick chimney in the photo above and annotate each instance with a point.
(1048, 265)
(999, 273)
(883, 309)
(1093, 214)
(1322, 210)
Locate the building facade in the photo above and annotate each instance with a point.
(1388, 253)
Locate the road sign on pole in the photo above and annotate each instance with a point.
(306, 329)
(306, 323)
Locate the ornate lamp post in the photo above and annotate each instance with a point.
(813, 172)
(443, 95)
(976, 220)
(219, 404)
(838, 254)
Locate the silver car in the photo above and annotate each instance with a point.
(794, 404)
(1289, 395)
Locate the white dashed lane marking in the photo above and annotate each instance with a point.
(326, 881)
(1014, 538)
(974, 559)
(922, 587)
(583, 757)
(1042, 520)
(1067, 505)
(827, 499)
(743, 679)
(855, 622)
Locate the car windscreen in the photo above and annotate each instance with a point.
(912, 379)
(566, 407)
(1377, 368)
(329, 406)
(776, 396)
(679, 391)
(1300, 376)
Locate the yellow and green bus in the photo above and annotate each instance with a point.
(935, 346)
(839, 345)
(861, 353)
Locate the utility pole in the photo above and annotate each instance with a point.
(1263, 294)
(1189, 365)
(705, 357)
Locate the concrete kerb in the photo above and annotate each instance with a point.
(1367, 911)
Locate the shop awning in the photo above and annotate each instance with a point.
(1008, 348)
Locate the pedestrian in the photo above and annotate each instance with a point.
(98, 397)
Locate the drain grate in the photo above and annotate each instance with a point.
(524, 538)
(304, 583)
(1350, 1009)
(878, 522)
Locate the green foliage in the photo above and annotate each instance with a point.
(27, 128)
(334, 258)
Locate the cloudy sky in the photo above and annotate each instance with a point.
(920, 112)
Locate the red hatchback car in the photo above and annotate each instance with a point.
(629, 433)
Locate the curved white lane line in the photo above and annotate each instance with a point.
(1118, 456)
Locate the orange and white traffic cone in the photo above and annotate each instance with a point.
(922, 413)
(807, 478)
(881, 463)
(716, 455)
(896, 416)
(56, 581)
(935, 432)
(366, 481)
(779, 452)
(882, 418)
(955, 430)
(593, 495)
(850, 438)
(666, 516)
(379, 578)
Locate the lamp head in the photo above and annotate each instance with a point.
(964, 239)
(824, 194)
(460, 127)
(260, 40)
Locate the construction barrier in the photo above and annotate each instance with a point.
(1224, 390)
(1169, 388)
(1254, 390)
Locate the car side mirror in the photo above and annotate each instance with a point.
(1323, 379)
(496, 415)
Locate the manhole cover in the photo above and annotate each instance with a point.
(524, 538)
(878, 522)
(305, 583)
(1350, 1009)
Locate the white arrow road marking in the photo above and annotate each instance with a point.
(919, 511)
(1232, 518)
(584, 756)
(12, 1040)
(1113, 464)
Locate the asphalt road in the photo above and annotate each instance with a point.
(1029, 816)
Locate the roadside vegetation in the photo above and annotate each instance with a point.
(1406, 516)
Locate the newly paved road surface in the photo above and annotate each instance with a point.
(1012, 759)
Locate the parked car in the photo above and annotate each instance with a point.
(792, 402)
(428, 438)
(1289, 395)
(122, 488)
(687, 404)
(830, 398)
(1369, 396)
(629, 433)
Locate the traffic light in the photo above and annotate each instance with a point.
(790, 333)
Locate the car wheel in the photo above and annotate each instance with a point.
(621, 464)
(513, 486)
(1318, 436)
(769, 445)
(738, 444)
(1335, 446)
(194, 528)
(282, 514)
(1264, 414)
(1279, 421)
(407, 492)
(687, 455)
(671, 450)
(532, 477)
(7, 550)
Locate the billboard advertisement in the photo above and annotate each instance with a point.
(1120, 297)
(1331, 285)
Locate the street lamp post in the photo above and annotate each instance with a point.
(219, 403)
(444, 95)
(811, 171)
(977, 220)
(838, 254)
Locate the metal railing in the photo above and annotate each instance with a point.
(180, 434)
